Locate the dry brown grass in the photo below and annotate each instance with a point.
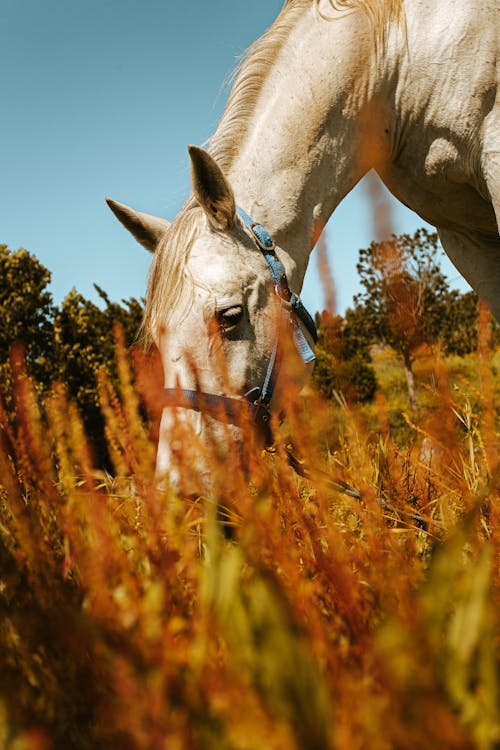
(274, 612)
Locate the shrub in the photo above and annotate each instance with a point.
(342, 366)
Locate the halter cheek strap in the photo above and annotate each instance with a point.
(255, 405)
(289, 299)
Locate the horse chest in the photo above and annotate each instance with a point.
(438, 182)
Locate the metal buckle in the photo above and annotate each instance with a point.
(262, 237)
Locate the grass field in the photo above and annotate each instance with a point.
(357, 607)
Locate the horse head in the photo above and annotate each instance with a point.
(229, 329)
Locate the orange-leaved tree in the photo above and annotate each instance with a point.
(405, 295)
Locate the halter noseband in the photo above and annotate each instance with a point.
(254, 406)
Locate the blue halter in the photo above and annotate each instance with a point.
(289, 299)
(255, 405)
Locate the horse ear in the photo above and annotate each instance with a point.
(211, 189)
(148, 230)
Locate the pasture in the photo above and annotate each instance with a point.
(269, 610)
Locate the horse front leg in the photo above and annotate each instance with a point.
(490, 160)
(478, 260)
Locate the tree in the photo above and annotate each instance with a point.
(459, 326)
(84, 344)
(26, 316)
(405, 295)
(459, 332)
(70, 343)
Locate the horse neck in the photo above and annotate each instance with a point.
(312, 134)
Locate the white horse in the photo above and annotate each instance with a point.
(332, 90)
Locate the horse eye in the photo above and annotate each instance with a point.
(230, 317)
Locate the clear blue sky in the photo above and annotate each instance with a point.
(101, 97)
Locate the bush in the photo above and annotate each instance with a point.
(353, 378)
(342, 361)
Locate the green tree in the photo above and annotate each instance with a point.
(84, 344)
(26, 317)
(459, 332)
(70, 343)
(459, 327)
(404, 302)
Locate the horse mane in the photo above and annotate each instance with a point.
(247, 80)
(167, 285)
(379, 12)
(249, 76)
